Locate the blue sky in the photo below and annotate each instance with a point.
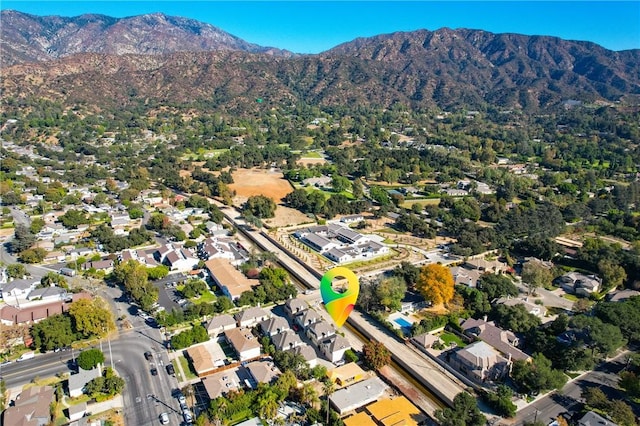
(314, 26)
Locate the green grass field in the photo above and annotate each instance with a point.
(186, 367)
(423, 202)
(447, 338)
(311, 154)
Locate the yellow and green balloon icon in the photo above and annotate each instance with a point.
(339, 305)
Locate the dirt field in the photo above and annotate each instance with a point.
(311, 161)
(286, 216)
(248, 182)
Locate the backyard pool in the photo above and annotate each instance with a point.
(402, 322)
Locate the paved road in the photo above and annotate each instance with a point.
(145, 396)
(568, 400)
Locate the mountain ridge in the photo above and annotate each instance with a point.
(29, 38)
(445, 67)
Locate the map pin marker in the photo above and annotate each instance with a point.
(339, 305)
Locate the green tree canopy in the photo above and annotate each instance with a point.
(496, 286)
(465, 412)
(90, 359)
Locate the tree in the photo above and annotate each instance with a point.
(390, 291)
(23, 239)
(133, 276)
(375, 355)
(260, 206)
(53, 332)
(465, 412)
(613, 275)
(436, 283)
(16, 270)
(595, 398)
(409, 272)
(496, 286)
(90, 318)
(501, 401)
(515, 318)
(90, 358)
(194, 287)
(340, 183)
(538, 375)
(72, 218)
(535, 275)
(33, 255)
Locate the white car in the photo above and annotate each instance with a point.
(182, 400)
(164, 418)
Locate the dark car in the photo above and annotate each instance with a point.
(154, 371)
(170, 369)
(151, 322)
(148, 356)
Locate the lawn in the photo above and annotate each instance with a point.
(207, 297)
(571, 297)
(186, 367)
(447, 338)
(311, 154)
(408, 202)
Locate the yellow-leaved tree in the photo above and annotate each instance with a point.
(435, 283)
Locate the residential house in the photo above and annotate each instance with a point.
(213, 248)
(308, 353)
(307, 317)
(228, 279)
(320, 330)
(594, 419)
(273, 325)
(180, 260)
(99, 265)
(502, 340)
(18, 290)
(221, 323)
(293, 306)
(579, 283)
(251, 316)
(426, 340)
(286, 340)
(622, 295)
(202, 360)
(396, 411)
(359, 419)
(244, 343)
(333, 349)
(537, 310)
(218, 384)
(480, 362)
(263, 371)
(357, 395)
(77, 411)
(48, 294)
(494, 266)
(31, 408)
(78, 381)
(347, 374)
(464, 276)
(354, 218)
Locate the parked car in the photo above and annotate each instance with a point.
(170, 369)
(183, 401)
(164, 418)
(187, 416)
(148, 356)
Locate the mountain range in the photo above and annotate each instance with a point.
(99, 59)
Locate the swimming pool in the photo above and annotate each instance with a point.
(402, 322)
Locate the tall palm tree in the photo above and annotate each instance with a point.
(328, 387)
